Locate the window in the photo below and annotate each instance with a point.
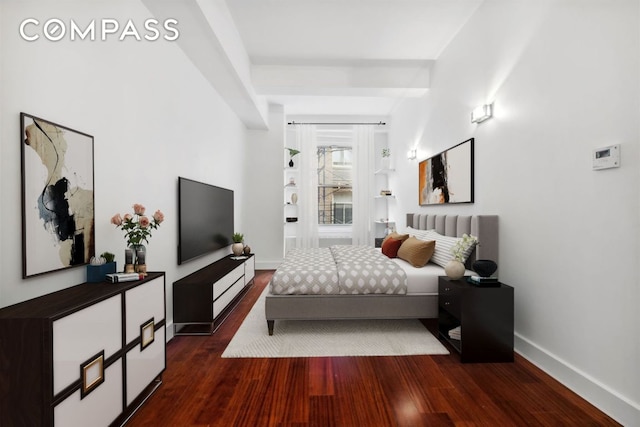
(335, 196)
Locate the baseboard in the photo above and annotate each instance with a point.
(169, 329)
(268, 265)
(612, 403)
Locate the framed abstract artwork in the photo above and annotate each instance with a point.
(57, 196)
(447, 177)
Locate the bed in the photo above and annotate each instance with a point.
(418, 300)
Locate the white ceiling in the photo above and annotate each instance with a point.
(325, 30)
(327, 50)
(315, 57)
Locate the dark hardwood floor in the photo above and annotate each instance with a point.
(202, 389)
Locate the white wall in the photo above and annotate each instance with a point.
(263, 206)
(564, 79)
(152, 114)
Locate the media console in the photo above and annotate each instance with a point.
(203, 299)
(88, 355)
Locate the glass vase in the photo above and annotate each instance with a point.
(139, 257)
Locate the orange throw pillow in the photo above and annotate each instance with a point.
(390, 247)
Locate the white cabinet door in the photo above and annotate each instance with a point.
(249, 269)
(223, 284)
(81, 335)
(143, 365)
(98, 408)
(221, 303)
(143, 303)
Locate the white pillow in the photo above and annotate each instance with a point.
(419, 234)
(444, 244)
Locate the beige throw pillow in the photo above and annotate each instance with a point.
(416, 252)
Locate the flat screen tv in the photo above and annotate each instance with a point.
(205, 218)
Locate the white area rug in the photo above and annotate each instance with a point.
(318, 338)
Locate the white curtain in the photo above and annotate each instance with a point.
(307, 227)
(363, 181)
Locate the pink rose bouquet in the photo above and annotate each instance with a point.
(137, 227)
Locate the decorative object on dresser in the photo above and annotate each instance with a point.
(447, 177)
(137, 228)
(455, 268)
(476, 321)
(85, 355)
(57, 196)
(202, 300)
(100, 266)
(238, 247)
(484, 267)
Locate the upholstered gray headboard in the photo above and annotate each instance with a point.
(484, 227)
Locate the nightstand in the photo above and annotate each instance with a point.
(484, 315)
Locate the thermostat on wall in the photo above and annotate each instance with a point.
(606, 157)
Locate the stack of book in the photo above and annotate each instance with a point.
(124, 277)
(455, 333)
(483, 281)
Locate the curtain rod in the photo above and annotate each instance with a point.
(380, 123)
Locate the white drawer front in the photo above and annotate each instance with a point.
(98, 408)
(223, 284)
(249, 269)
(141, 304)
(79, 336)
(224, 300)
(143, 366)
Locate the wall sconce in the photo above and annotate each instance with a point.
(481, 113)
(412, 154)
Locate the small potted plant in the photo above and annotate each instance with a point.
(292, 152)
(386, 158)
(100, 266)
(238, 246)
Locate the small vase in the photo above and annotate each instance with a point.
(237, 248)
(485, 267)
(290, 163)
(139, 258)
(454, 269)
(294, 198)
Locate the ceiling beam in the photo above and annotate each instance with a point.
(209, 38)
(363, 78)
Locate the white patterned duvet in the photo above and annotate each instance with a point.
(338, 270)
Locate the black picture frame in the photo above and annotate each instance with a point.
(447, 177)
(58, 209)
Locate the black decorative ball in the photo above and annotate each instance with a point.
(484, 267)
